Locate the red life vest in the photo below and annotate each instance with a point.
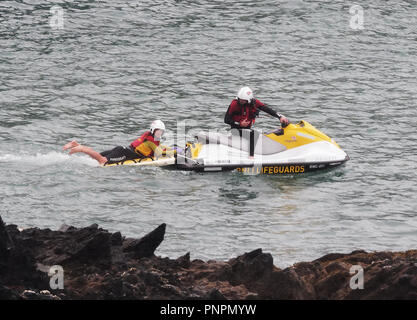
(141, 147)
(247, 111)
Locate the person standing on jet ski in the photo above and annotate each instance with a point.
(144, 147)
(245, 108)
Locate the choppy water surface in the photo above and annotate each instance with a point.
(118, 64)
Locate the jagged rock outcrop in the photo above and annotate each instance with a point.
(102, 265)
(146, 246)
(17, 265)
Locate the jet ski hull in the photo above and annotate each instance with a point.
(268, 169)
(297, 149)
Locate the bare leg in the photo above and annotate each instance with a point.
(93, 154)
(70, 145)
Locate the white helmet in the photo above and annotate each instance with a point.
(157, 124)
(245, 93)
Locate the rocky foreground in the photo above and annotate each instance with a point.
(102, 265)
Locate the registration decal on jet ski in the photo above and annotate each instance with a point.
(273, 170)
(317, 166)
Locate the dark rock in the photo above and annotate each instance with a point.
(95, 248)
(75, 247)
(251, 266)
(331, 257)
(336, 267)
(29, 295)
(184, 261)
(65, 228)
(59, 250)
(5, 241)
(146, 246)
(357, 252)
(131, 278)
(283, 285)
(215, 294)
(13, 232)
(116, 239)
(328, 286)
(101, 265)
(17, 264)
(151, 278)
(94, 226)
(8, 294)
(41, 295)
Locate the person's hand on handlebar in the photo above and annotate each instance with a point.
(284, 121)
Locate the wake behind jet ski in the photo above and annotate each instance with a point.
(297, 148)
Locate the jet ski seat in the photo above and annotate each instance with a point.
(263, 144)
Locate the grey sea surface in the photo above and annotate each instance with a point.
(116, 65)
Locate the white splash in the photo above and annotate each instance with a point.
(48, 159)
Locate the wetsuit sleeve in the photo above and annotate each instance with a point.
(270, 111)
(228, 119)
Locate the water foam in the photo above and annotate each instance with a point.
(48, 159)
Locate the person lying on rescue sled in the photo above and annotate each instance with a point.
(144, 147)
(245, 108)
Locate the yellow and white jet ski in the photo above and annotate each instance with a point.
(297, 148)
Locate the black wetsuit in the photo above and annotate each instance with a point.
(119, 153)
